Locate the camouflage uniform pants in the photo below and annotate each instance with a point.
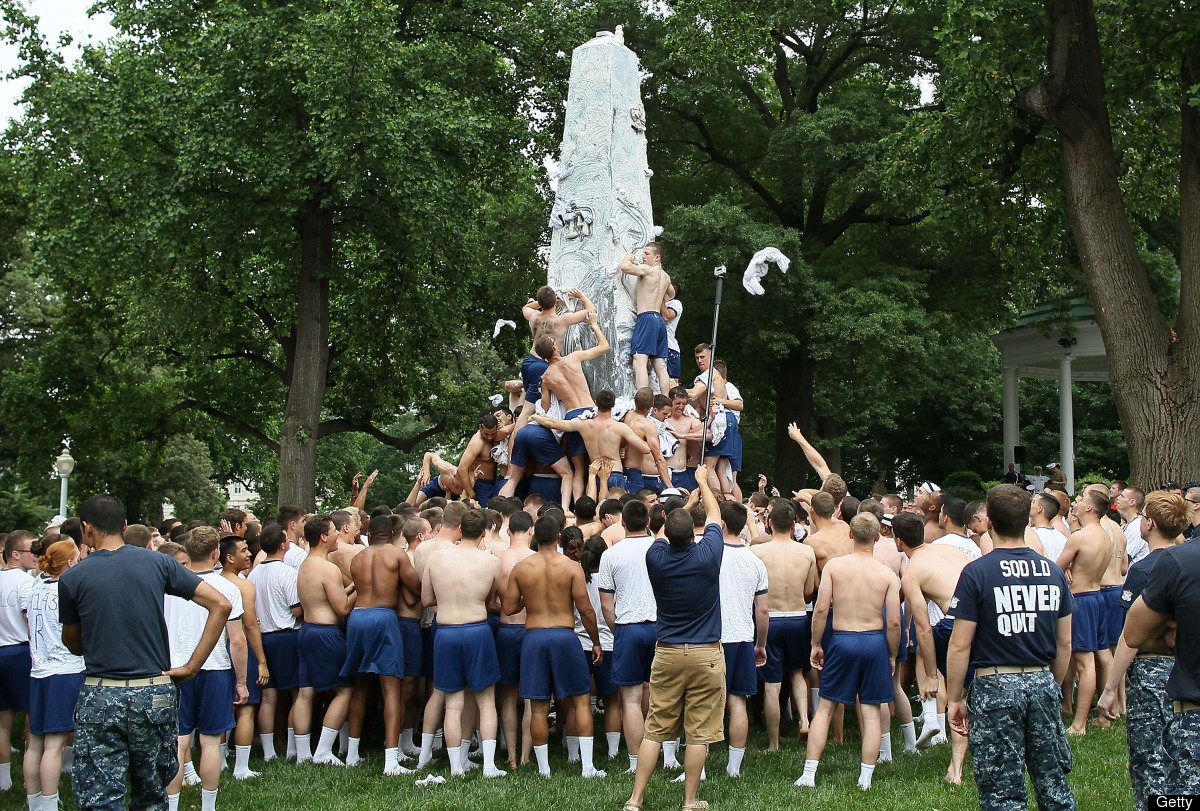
(125, 735)
(1149, 710)
(1016, 723)
(1181, 745)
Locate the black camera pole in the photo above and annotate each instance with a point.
(719, 272)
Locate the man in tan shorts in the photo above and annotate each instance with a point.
(687, 679)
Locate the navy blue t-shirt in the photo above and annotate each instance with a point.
(686, 583)
(1137, 578)
(1016, 597)
(1174, 590)
(116, 598)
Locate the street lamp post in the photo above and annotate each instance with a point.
(64, 464)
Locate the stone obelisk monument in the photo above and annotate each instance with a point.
(602, 204)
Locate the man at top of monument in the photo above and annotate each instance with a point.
(650, 330)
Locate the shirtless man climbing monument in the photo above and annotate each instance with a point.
(650, 330)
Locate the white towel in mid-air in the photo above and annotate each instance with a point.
(757, 269)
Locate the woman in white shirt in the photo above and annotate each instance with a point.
(55, 680)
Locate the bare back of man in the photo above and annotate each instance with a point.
(829, 543)
(1085, 558)
(565, 379)
(652, 462)
(548, 321)
(463, 581)
(550, 588)
(792, 581)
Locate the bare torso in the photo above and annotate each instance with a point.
(791, 573)
(1093, 551)
(831, 542)
(315, 581)
(1113, 575)
(547, 583)
(933, 571)
(509, 558)
(859, 586)
(564, 378)
(651, 287)
(464, 581)
(376, 573)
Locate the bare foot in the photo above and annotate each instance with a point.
(1071, 730)
(774, 748)
(1103, 723)
(954, 779)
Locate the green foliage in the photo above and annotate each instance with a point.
(1099, 444)
(20, 510)
(186, 480)
(965, 484)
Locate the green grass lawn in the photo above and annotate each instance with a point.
(911, 783)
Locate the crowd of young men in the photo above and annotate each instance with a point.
(575, 553)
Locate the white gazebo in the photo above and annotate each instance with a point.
(1031, 348)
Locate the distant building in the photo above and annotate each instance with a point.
(240, 495)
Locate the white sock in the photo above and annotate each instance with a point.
(572, 749)
(488, 745)
(426, 748)
(885, 748)
(614, 743)
(68, 759)
(303, 748)
(586, 743)
(208, 800)
(291, 744)
(929, 711)
(406, 741)
(172, 802)
(325, 744)
(669, 749)
(50, 802)
(542, 753)
(189, 774)
(632, 764)
(352, 750)
(241, 759)
(734, 768)
(439, 740)
(942, 722)
(864, 776)
(910, 736)
(344, 737)
(34, 801)
(268, 746)
(224, 752)
(455, 764)
(809, 778)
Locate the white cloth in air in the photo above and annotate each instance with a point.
(757, 269)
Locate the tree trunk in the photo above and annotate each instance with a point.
(793, 403)
(308, 363)
(1154, 370)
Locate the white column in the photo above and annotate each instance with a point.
(1066, 422)
(1012, 414)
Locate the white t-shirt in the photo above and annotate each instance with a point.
(294, 556)
(1135, 546)
(50, 656)
(961, 542)
(1053, 541)
(15, 585)
(743, 577)
(623, 574)
(275, 596)
(677, 307)
(606, 636)
(186, 620)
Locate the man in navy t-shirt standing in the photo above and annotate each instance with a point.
(687, 680)
(111, 607)
(1012, 622)
(1173, 594)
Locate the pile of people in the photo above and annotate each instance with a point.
(578, 561)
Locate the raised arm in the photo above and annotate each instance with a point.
(630, 265)
(813, 456)
(555, 424)
(712, 507)
(632, 439)
(360, 498)
(601, 342)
